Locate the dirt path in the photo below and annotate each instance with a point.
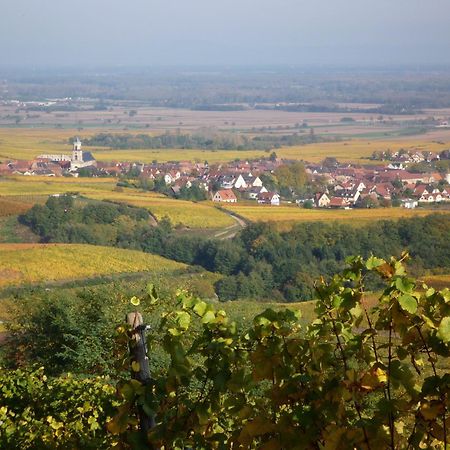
(232, 230)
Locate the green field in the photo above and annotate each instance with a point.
(32, 263)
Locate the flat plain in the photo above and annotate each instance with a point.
(148, 118)
(27, 143)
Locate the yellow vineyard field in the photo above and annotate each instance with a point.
(28, 263)
(356, 151)
(190, 214)
(287, 216)
(32, 186)
(27, 143)
(9, 207)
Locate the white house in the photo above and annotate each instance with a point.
(240, 182)
(253, 192)
(253, 181)
(269, 198)
(321, 200)
(224, 196)
(172, 176)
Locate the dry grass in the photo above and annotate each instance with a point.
(28, 263)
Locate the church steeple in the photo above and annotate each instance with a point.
(77, 153)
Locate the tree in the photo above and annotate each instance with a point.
(330, 162)
(368, 202)
(64, 333)
(292, 176)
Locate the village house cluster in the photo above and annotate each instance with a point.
(52, 165)
(366, 187)
(225, 183)
(342, 185)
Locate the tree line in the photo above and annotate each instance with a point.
(207, 140)
(260, 262)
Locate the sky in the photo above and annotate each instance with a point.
(224, 32)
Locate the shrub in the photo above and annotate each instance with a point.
(356, 377)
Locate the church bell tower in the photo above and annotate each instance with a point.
(77, 153)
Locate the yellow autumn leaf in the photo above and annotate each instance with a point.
(373, 379)
(431, 410)
(135, 301)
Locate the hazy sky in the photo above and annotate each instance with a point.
(161, 32)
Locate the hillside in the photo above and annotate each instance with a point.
(18, 193)
(29, 263)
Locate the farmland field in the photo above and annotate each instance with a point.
(23, 187)
(34, 189)
(11, 207)
(24, 191)
(287, 216)
(27, 143)
(190, 214)
(29, 263)
(355, 151)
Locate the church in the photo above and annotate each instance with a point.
(77, 160)
(81, 158)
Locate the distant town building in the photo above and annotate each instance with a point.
(77, 160)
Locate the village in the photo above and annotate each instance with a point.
(330, 184)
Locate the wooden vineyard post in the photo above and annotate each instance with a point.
(138, 353)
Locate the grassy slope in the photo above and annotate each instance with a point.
(21, 263)
(11, 231)
(32, 189)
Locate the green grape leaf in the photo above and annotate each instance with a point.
(408, 303)
(444, 330)
(373, 262)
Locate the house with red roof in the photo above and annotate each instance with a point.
(225, 196)
(338, 202)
